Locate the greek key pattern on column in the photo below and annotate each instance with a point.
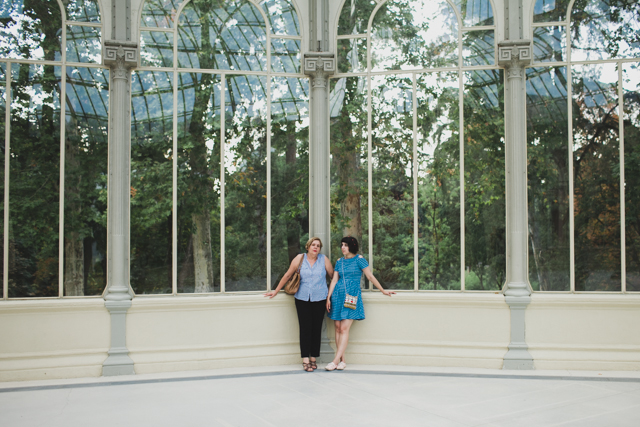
(519, 51)
(319, 67)
(114, 51)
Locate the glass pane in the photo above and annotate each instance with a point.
(438, 181)
(229, 36)
(289, 172)
(85, 181)
(159, 13)
(246, 183)
(34, 181)
(198, 182)
(83, 44)
(3, 106)
(484, 177)
(548, 173)
(349, 205)
(285, 56)
(550, 10)
(478, 48)
(549, 44)
(392, 198)
(151, 181)
(631, 88)
(406, 38)
(283, 18)
(31, 31)
(603, 29)
(352, 55)
(156, 49)
(596, 171)
(354, 17)
(82, 10)
(475, 12)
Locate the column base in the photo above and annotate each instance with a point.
(518, 358)
(118, 363)
(326, 352)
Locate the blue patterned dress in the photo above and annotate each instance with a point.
(350, 272)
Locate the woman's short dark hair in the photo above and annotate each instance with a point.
(352, 242)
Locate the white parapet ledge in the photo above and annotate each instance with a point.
(585, 300)
(80, 304)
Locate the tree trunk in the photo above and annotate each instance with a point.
(74, 265)
(293, 229)
(350, 207)
(202, 258)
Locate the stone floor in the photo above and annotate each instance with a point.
(358, 396)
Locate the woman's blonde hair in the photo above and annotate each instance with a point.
(311, 240)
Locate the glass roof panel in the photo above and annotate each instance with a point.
(159, 13)
(31, 31)
(475, 12)
(282, 17)
(550, 10)
(82, 10)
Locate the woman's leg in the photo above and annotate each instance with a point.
(344, 326)
(302, 308)
(315, 331)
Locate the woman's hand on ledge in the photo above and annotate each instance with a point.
(271, 294)
(388, 292)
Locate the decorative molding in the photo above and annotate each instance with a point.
(514, 56)
(319, 66)
(120, 53)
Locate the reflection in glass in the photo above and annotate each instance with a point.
(289, 172)
(151, 178)
(285, 56)
(477, 48)
(550, 10)
(352, 55)
(199, 112)
(596, 171)
(34, 180)
(392, 198)
(159, 13)
(549, 44)
(227, 36)
(32, 31)
(484, 176)
(348, 112)
(354, 17)
(283, 18)
(548, 173)
(83, 44)
(3, 106)
(475, 12)
(85, 181)
(438, 181)
(603, 29)
(245, 183)
(631, 90)
(405, 37)
(82, 10)
(156, 49)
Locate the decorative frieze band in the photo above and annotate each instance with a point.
(125, 52)
(319, 66)
(514, 56)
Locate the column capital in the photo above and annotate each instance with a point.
(319, 65)
(515, 54)
(123, 54)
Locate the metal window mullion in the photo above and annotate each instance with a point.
(174, 216)
(462, 194)
(223, 82)
(623, 231)
(7, 169)
(369, 159)
(572, 263)
(268, 78)
(416, 260)
(63, 121)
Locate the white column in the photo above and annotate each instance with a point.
(121, 56)
(514, 56)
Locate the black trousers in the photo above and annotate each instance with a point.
(310, 316)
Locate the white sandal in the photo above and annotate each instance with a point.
(341, 366)
(330, 367)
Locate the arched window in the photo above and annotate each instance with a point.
(583, 106)
(417, 142)
(55, 153)
(219, 146)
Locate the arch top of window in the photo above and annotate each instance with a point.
(355, 15)
(282, 15)
(82, 10)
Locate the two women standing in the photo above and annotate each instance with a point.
(343, 300)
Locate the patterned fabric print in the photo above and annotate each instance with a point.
(313, 280)
(350, 271)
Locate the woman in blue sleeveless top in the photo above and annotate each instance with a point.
(310, 299)
(344, 301)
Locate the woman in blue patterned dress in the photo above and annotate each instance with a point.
(346, 281)
(310, 298)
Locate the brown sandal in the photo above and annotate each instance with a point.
(307, 367)
(313, 364)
